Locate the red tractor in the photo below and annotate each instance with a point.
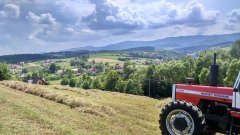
(195, 107)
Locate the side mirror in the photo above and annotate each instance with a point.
(237, 89)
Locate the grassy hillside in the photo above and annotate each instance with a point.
(29, 109)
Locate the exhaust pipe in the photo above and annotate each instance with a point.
(213, 80)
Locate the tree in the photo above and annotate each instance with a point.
(93, 62)
(65, 81)
(111, 80)
(27, 77)
(171, 72)
(4, 72)
(235, 50)
(68, 72)
(97, 84)
(126, 64)
(72, 82)
(86, 85)
(204, 76)
(99, 67)
(35, 74)
(106, 64)
(189, 64)
(232, 72)
(80, 82)
(128, 69)
(148, 80)
(223, 67)
(204, 61)
(53, 68)
(86, 82)
(25, 70)
(134, 87)
(121, 86)
(80, 70)
(150, 71)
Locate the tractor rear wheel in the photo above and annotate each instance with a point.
(183, 118)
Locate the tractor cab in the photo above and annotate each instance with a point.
(236, 98)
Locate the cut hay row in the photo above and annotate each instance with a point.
(91, 92)
(71, 101)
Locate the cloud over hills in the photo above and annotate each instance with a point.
(40, 25)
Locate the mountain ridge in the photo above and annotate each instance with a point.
(169, 42)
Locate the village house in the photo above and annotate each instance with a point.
(37, 80)
(47, 62)
(117, 67)
(59, 72)
(158, 61)
(15, 68)
(93, 71)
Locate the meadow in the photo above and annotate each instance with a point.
(33, 109)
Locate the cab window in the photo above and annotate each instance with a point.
(239, 87)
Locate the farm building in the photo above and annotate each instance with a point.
(37, 80)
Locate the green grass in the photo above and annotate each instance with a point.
(113, 56)
(23, 113)
(65, 63)
(33, 67)
(55, 82)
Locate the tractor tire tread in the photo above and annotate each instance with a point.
(194, 111)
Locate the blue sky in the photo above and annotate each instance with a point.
(31, 26)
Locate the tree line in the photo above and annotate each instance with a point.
(156, 80)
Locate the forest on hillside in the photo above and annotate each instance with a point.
(16, 58)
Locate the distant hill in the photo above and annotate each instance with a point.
(143, 48)
(43, 56)
(204, 47)
(170, 42)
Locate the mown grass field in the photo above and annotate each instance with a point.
(24, 113)
(104, 60)
(111, 58)
(109, 55)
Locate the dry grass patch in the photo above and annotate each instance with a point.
(99, 111)
(69, 100)
(90, 92)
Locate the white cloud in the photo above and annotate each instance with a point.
(70, 30)
(233, 20)
(76, 8)
(44, 24)
(41, 19)
(10, 10)
(19, 1)
(124, 14)
(234, 16)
